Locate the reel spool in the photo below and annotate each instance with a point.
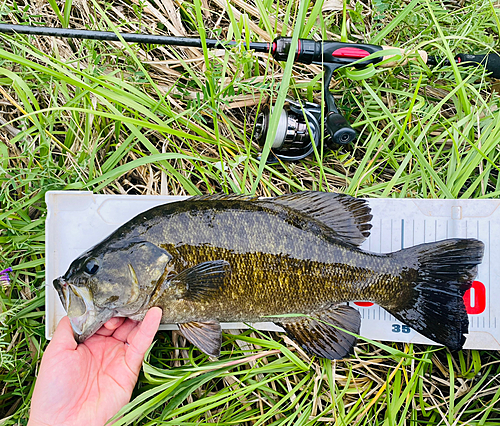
(293, 141)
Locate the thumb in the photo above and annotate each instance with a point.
(143, 339)
(63, 336)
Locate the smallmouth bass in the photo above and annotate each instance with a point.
(226, 258)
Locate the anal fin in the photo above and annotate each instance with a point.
(317, 336)
(207, 336)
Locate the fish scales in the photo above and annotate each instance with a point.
(262, 284)
(228, 258)
(283, 271)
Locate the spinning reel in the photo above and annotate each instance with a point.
(299, 128)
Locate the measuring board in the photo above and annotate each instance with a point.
(78, 220)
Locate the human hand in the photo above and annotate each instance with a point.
(88, 383)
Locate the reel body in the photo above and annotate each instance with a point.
(299, 126)
(299, 130)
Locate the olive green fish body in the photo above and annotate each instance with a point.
(277, 266)
(262, 284)
(230, 258)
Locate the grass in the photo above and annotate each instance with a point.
(137, 119)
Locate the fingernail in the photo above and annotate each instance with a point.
(112, 322)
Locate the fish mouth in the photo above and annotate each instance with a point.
(84, 316)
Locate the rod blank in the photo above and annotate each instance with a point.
(128, 37)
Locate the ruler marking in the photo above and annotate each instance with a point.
(489, 275)
(477, 237)
(402, 234)
(392, 239)
(370, 242)
(380, 236)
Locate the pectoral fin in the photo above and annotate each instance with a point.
(317, 336)
(201, 281)
(207, 336)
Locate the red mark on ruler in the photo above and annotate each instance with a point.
(475, 298)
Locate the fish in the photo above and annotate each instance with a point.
(294, 260)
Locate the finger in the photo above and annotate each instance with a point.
(63, 336)
(124, 330)
(132, 334)
(114, 323)
(103, 331)
(110, 326)
(143, 339)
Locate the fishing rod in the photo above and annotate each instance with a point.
(299, 128)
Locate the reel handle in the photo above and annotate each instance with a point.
(340, 131)
(338, 127)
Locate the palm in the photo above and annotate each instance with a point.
(96, 371)
(87, 384)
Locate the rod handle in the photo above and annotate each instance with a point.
(402, 52)
(491, 62)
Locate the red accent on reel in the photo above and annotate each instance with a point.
(350, 52)
(363, 303)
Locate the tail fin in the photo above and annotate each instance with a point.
(442, 273)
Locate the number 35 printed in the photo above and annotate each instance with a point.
(396, 328)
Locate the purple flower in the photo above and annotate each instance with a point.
(4, 276)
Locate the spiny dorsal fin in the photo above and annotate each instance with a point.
(200, 281)
(223, 197)
(316, 336)
(349, 217)
(207, 336)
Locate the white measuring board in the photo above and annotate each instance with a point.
(78, 220)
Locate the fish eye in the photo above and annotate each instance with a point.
(91, 267)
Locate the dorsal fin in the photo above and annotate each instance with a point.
(222, 196)
(349, 217)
